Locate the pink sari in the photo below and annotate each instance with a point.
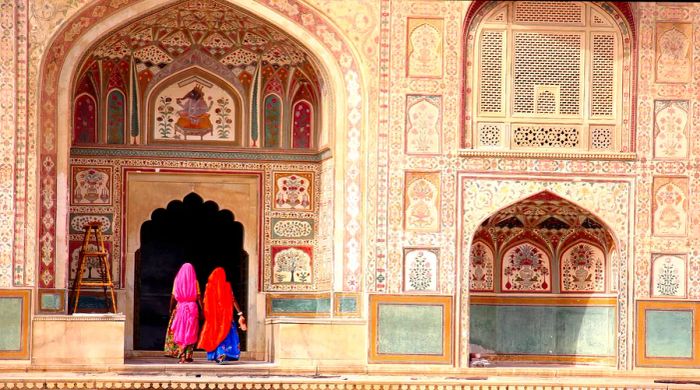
(185, 325)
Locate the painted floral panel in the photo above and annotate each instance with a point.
(481, 267)
(582, 269)
(422, 201)
(425, 47)
(292, 264)
(421, 269)
(91, 185)
(674, 42)
(423, 124)
(526, 268)
(668, 276)
(293, 191)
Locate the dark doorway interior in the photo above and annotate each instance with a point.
(191, 231)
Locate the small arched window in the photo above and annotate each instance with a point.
(116, 117)
(85, 119)
(547, 77)
(302, 125)
(272, 120)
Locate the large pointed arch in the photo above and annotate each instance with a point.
(346, 115)
(542, 226)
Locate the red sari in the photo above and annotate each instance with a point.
(218, 311)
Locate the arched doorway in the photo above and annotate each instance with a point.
(542, 285)
(193, 231)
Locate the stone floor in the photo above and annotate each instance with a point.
(162, 373)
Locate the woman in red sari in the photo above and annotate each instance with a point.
(219, 336)
(184, 323)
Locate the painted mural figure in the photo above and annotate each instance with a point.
(183, 328)
(219, 335)
(194, 116)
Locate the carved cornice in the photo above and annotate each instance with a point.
(549, 155)
(329, 382)
(241, 154)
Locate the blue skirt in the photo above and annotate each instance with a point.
(230, 348)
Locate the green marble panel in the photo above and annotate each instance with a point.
(410, 329)
(11, 323)
(300, 305)
(51, 301)
(669, 333)
(347, 304)
(543, 330)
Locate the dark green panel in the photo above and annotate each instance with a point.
(347, 304)
(543, 330)
(11, 323)
(669, 333)
(410, 329)
(586, 330)
(300, 305)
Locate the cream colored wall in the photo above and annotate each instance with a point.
(378, 34)
(239, 193)
(86, 339)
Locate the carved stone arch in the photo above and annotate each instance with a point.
(526, 235)
(476, 218)
(583, 235)
(344, 86)
(196, 59)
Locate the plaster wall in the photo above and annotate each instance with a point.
(378, 35)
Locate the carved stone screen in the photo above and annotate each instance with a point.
(547, 78)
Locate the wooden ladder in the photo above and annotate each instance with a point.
(101, 254)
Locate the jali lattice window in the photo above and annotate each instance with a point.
(547, 77)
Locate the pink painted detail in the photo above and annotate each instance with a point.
(302, 120)
(84, 120)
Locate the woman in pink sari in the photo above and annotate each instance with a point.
(185, 321)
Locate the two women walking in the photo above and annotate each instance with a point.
(219, 335)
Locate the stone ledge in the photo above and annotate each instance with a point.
(326, 382)
(81, 317)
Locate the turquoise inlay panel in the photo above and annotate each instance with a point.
(543, 330)
(11, 323)
(347, 304)
(410, 329)
(51, 301)
(669, 333)
(300, 305)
